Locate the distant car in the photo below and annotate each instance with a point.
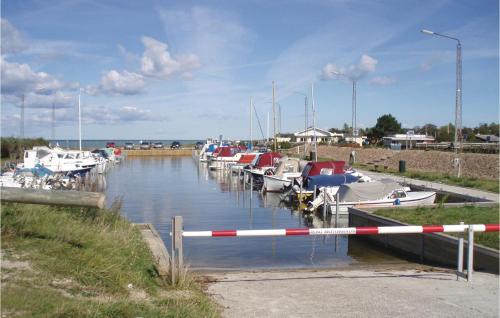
(158, 145)
(110, 145)
(198, 145)
(145, 145)
(128, 146)
(175, 145)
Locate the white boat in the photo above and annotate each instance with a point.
(59, 160)
(375, 194)
(287, 170)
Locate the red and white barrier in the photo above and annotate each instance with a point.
(367, 230)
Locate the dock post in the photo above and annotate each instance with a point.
(300, 195)
(251, 186)
(314, 194)
(177, 255)
(460, 253)
(337, 207)
(470, 253)
(324, 203)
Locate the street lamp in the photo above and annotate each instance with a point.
(305, 118)
(354, 123)
(458, 97)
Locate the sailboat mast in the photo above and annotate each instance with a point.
(274, 120)
(314, 124)
(251, 132)
(79, 121)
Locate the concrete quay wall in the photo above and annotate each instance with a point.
(431, 247)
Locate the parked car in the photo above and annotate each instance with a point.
(175, 145)
(158, 145)
(145, 145)
(110, 145)
(199, 145)
(128, 146)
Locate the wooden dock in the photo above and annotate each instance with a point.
(158, 152)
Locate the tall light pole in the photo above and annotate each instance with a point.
(354, 130)
(305, 119)
(79, 120)
(457, 144)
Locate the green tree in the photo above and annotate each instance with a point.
(386, 125)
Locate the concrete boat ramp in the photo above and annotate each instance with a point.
(422, 292)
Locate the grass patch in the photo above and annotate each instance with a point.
(85, 263)
(475, 183)
(450, 215)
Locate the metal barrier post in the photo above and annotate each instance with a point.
(324, 203)
(470, 253)
(460, 253)
(337, 207)
(177, 254)
(251, 186)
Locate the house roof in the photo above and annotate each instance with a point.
(404, 137)
(487, 138)
(310, 132)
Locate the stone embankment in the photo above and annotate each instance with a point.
(474, 165)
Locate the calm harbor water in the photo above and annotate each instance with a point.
(155, 189)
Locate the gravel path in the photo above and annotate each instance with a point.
(355, 293)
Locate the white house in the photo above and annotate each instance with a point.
(407, 140)
(321, 136)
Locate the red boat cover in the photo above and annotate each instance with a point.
(314, 168)
(268, 159)
(228, 151)
(216, 152)
(242, 147)
(118, 152)
(246, 159)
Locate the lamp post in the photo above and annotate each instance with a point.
(457, 144)
(305, 118)
(354, 130)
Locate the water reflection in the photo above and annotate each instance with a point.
(156, 189)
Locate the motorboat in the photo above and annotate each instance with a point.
(282, 177)
(383, 193)
(224, 157)
(59, 160)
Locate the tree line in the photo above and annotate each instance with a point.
(388, 125)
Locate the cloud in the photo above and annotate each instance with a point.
(434, 59)
(124, 83)
(12, 40)
(19, 79)
(108, 115)
(382, 81)
(157, 62)
(366, 64)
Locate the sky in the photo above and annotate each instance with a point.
(190, 69)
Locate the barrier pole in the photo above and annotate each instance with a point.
(337, 207)
(177, 253)
(324, 203)
(460, 253)
(470, 253)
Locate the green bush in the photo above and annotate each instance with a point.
(13, 148)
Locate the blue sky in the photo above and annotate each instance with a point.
(188, 69)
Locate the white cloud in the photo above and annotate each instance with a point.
(157, 62)
(382, 81)
(12, 40)
(366, 64)
(20, 78)
(108, 115)
(124, 83)
(434, 59)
